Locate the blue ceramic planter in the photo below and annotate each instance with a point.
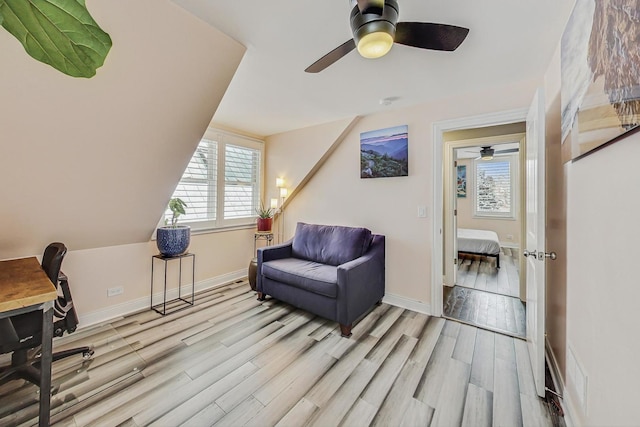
(173, 241)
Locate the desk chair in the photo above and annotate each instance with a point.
(22, 333)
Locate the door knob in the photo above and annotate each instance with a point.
(527, 253)
(551, 255)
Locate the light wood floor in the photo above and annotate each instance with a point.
(479, 272)
(232, 360)
(484, 296)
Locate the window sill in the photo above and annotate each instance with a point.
(222, 229)
(199, 231)
(503, 218)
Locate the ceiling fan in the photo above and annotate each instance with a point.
(487, 152)
(375, 28)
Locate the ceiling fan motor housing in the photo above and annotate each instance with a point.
(364, 24)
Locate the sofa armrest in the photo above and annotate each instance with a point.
(361, 282)
(270, 253)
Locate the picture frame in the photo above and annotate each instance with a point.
(600, 76)
(384, 153)
(461, 186)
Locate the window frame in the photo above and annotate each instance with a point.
(222, 139)
(512, 159)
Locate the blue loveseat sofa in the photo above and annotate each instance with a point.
(332, 271)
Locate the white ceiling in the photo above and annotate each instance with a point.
(509, 41)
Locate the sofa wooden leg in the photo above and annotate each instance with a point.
(379, 302)
(345, 330)
(261, 296)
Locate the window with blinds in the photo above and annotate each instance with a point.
(197, 187)
(241, 181)
(221, 185)
(494, 187)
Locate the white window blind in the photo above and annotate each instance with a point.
(494, 187)
(221, 185)
(241, 181)
(198, 185)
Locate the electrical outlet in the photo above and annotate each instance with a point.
(112, 292)
(510, 237)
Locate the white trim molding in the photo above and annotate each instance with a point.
(407, 303)
(552, 361)
(120, 310)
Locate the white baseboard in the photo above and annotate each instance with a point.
(409, 304)
(569, 411)
(119, 310)
(509, 245)
(559, 383)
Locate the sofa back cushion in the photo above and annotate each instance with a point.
(330, 244)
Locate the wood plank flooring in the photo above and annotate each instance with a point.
(480, 272)
(231, 360)
(487, 297)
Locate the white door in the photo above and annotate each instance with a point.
(534, 249)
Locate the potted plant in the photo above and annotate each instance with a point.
(173, 239)
(265, 218)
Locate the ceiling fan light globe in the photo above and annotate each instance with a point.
(487, 153)
(375, 45)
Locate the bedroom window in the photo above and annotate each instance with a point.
(495, 187)
(221, 185)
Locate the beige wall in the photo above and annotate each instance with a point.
(295, 153)
(602, 283)
(93, 162)
(220, 257)
(592, 289)
(337, 194)
(508, 230)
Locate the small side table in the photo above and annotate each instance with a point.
(253, 265)
(162, 307)
(262, 235)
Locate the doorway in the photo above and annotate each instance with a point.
(483, 225)
(457, 129)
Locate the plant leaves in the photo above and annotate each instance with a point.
(60, 33)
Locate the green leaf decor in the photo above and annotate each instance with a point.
(60, 33)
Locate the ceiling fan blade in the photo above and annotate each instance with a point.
(371, 6)
(331, 57)
(427, 35)
(508, 150)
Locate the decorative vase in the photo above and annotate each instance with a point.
(173, 241)
(264, 224)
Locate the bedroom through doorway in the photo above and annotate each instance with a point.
(483, 228)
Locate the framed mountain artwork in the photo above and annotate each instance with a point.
(384, 153)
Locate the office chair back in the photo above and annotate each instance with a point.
(52, 260)
(20, 333)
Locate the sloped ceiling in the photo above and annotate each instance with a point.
(93, 162)
(509, 42)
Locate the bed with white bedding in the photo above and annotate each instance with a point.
(479, 242)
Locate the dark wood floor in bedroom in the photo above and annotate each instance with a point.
(233, 360)
(486, 296)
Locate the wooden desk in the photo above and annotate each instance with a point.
(25, 287)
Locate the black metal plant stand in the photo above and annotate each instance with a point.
(162, 307)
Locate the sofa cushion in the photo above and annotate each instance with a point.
(308, 275)
(330, 244)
